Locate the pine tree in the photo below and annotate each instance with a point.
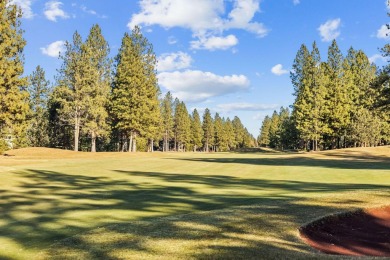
(366, 128)
(338, 101)
(167, 120)
(318, 96)
(135, 104)
(310, 95)
(289, 136)
(274, 130)
(302, 105)
(74, 91)
(182, 127)
(357, 77)
(224, 138)
(196, 130)
(230, 135)
(249, 141)
(264, 138)
(14, 105)
(284, 117)
(381, 88)
(239, 131)
(39, 92)
(219, 134)
(59, 131)
(99, 73)
(208, 130)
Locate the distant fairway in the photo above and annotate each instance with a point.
(62, 204)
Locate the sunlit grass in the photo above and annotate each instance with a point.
(60, 204)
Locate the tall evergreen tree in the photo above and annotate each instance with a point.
(299, 78)
(338, 101)
(309, 82)
(230, 135)
(182, 127)
(239, 131)
(14, 105)
(224, 138)
(284, 116)
(39, 91)
(317, 86)
(167, 120)
(366, 128)
(135, 103)
(208, 130)
(73, 90)
(274, 130)
(59, 131)
(196, 130)
(264, 138)
(220, 139)
(99, 66)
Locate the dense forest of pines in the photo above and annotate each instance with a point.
(100, 104)
(341, 102)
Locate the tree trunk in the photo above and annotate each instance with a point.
(166, 141)
(151, 146)
(93, 142)
(134, 145)
(131, 142)
(76, 133)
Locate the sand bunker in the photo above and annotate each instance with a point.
(359, 233)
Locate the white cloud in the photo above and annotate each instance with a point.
(215, 43)
(376, 57)
(278, 70)
(195, 85)
(172, 40)
(174, 61)
(242, 15)
(54, 49)
(330, 30)
(206, 19)
(296, 2)
(53, 10)
(245, 107)
(25, 5)
(387, 3)
(383, 32)
(90, 11)
(195, 15)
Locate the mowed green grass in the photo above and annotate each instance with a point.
(63, 205)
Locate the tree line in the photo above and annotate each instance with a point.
(341, 102)
(98, 103)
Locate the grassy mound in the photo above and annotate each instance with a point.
(40, 152)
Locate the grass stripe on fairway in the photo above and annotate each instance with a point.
(117, 205)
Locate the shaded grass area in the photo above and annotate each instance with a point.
(263, 231)
(183, 206)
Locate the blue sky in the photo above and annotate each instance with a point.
(232, 56)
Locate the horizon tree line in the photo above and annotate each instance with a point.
(341, 102)
(101, 104)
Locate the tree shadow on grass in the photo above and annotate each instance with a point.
(49, 206)
(343, 162)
